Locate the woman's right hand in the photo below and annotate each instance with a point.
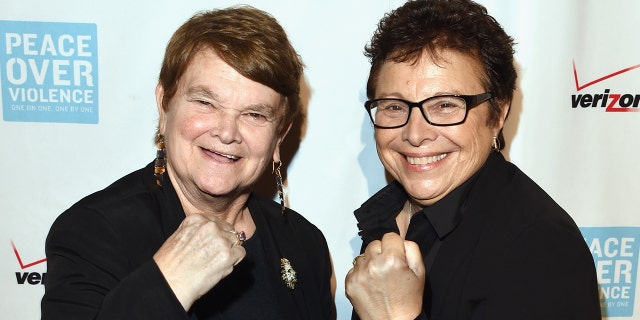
(199, 254)
(387, 281)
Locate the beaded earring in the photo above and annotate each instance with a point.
(161, 160)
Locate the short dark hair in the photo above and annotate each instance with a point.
(426, 26)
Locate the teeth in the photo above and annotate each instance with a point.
(226, 156)
(426, 160)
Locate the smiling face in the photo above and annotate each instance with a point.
(431, 161)
(220, 131)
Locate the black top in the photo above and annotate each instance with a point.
(247, 285)
(100, 265)
(496, 248)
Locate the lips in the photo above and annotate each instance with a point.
(426, 160)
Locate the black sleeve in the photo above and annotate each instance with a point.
(421, 316)
(548, 273)
(325, 271)
(91, 276)
(328, 273)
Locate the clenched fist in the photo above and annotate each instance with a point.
(387, 281)
(199, 254)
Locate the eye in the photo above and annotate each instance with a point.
(206, 105)
(256, 118)
(445, 105)
(393, 107)
(203, 102)
(390, 106)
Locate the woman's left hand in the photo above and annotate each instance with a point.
(387, 281)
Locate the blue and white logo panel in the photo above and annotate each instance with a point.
(49, 72)
(615, 252)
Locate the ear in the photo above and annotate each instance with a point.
(279, 139)
(161, 113)
(504, 112)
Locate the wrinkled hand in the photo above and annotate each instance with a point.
(199, 254)
(387, 282)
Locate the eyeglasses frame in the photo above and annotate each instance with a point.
(471, 101)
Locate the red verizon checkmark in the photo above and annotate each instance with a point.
(22, 265)
(580, 87)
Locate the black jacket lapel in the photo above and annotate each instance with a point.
(279, 243)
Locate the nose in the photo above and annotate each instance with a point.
(227, 128)
(418, 130)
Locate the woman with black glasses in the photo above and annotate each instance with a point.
(460, 233)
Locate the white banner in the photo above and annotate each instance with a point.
(77, 82)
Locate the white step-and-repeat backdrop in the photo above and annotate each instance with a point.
(574, 126)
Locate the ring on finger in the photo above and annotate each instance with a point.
(240, 237)
(355, 260)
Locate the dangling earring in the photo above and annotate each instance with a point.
(495, 145)
(161, 160)
(276, 170)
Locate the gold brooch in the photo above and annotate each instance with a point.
(288, 274)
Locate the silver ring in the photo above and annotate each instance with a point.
(240, 237)
(355, 260)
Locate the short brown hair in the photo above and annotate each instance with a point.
(250, 40)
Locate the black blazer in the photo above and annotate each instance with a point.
(515, 254)
(100, 266)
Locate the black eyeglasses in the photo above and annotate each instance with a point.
(443, 110)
